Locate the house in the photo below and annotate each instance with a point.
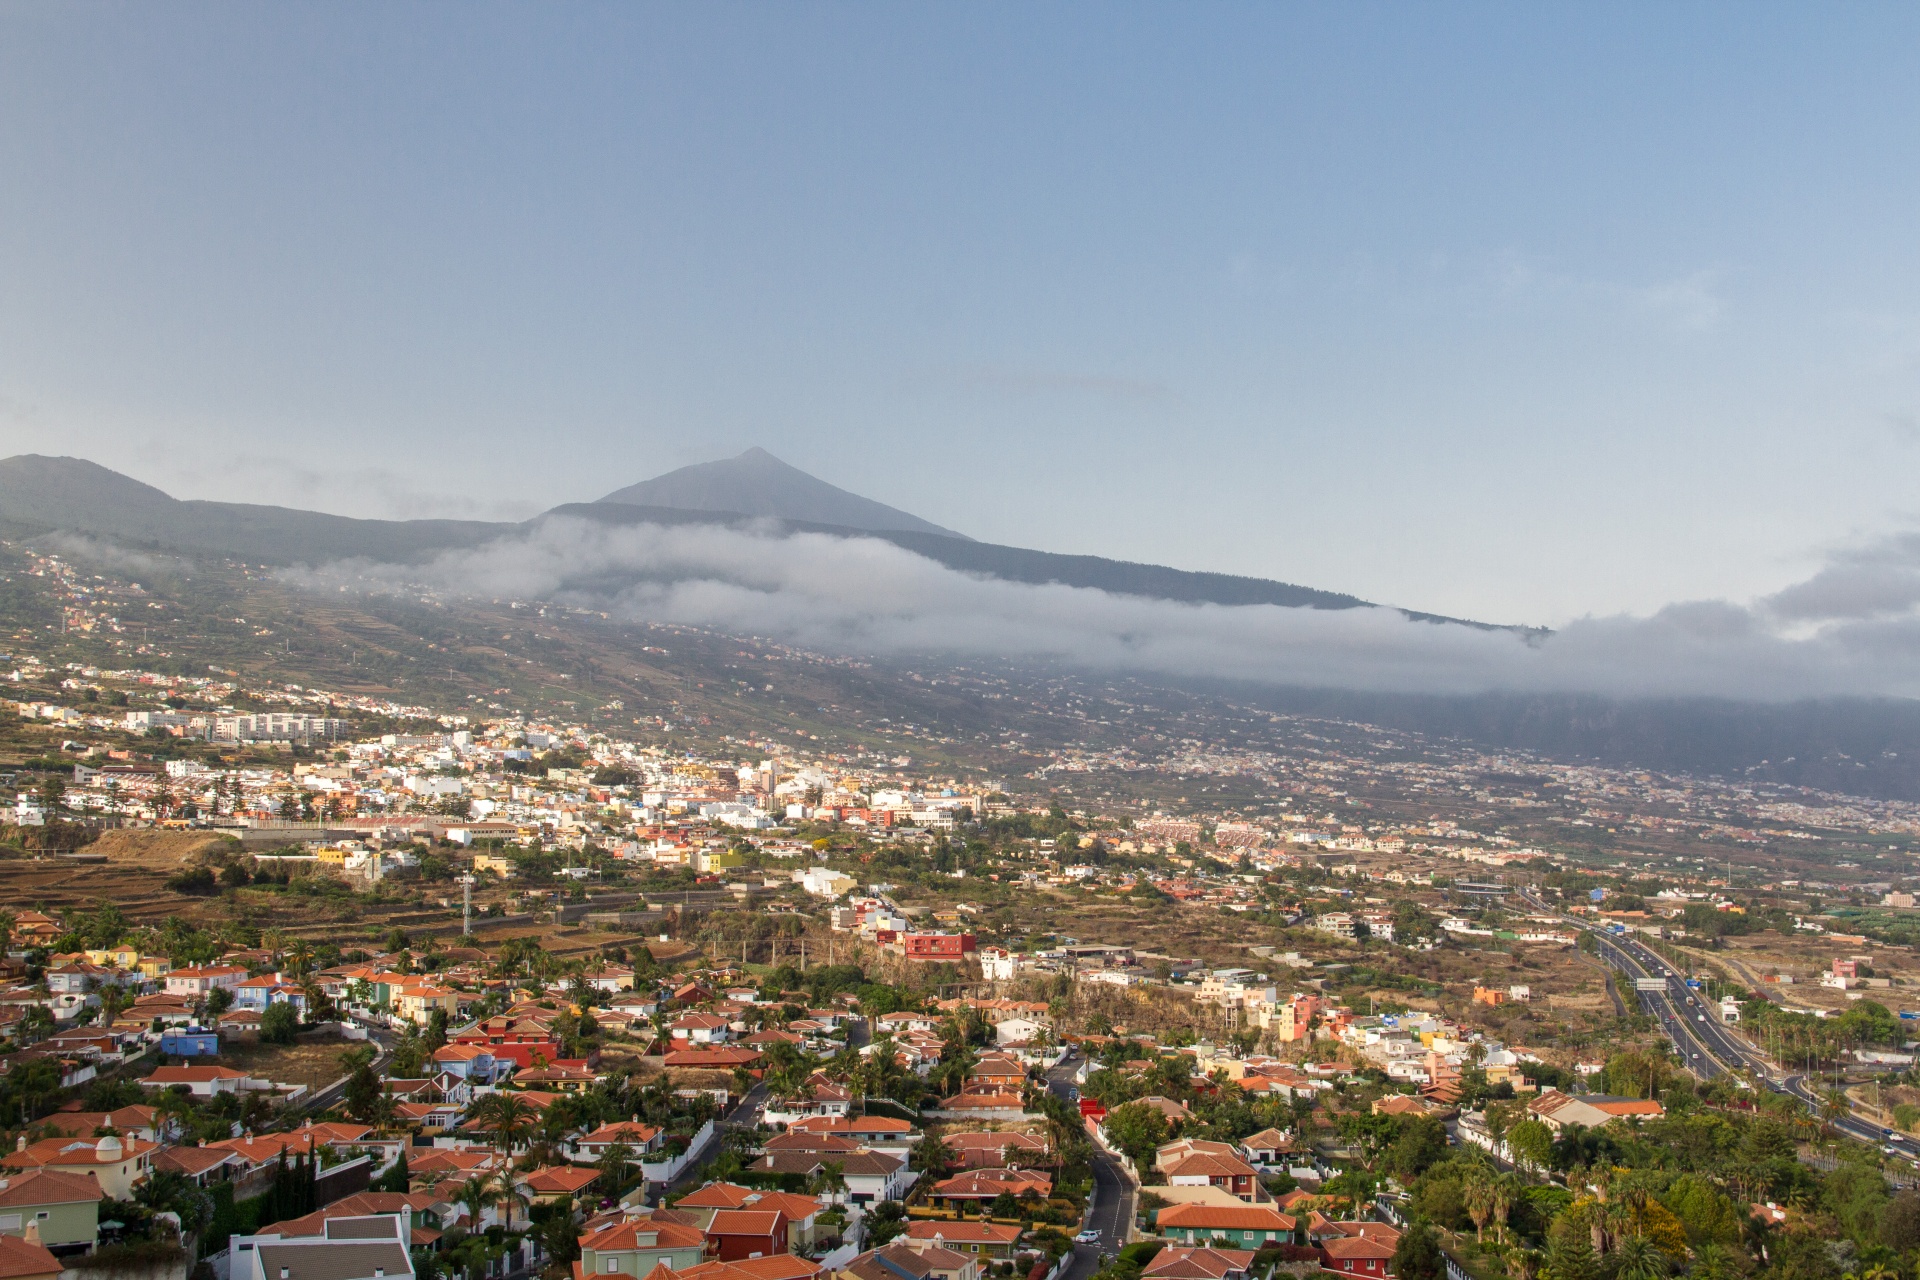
(557, 1184)
(202, 1166)
(897, 1261)
(1559, 1110)
(374, 1247)
(425, 1214)
(63, 1208)
(640, 1139)
(200, 980)
(997, 1073)
(118, 1165)
(1205, 1169)
(699, 1028)
(1199, 1262)
(1019, 1031)
(1248, 1227)
(23, 1257)
(882, 1133)
(201, 1082)
(747, 1233)
(870, 1175)
(1360, 1255)
(194, 1042)
(978, 1186)
(1267, 1149)
(721, 1058)
(417, 1003)
(983, 1239)
(634, 1246)
(982, 1150)
(129, 1121)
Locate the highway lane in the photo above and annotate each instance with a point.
(1696, 1032)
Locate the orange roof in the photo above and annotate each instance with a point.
(559, 1180)
(48, 1186)
(19, 1259)
(1238, 1218)
(745, 1222)
(717, 1195)
(963, 1232)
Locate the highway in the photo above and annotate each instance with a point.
(1695, 1030)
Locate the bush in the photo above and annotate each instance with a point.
(198, 881)
(279, 1024)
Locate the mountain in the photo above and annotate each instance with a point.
(40, 495)
(43, 495)
(758, 484)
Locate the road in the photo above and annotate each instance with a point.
(330, 1096)
(1111, 1210)
(1698, 1036)
(745, 1115)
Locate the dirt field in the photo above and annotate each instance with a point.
(167, 849)
(1756, 958)
(313, 1062)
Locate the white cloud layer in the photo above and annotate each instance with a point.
(1853, 628)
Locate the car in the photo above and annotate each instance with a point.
(1088, 1236)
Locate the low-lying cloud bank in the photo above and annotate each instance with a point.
(1852, 629)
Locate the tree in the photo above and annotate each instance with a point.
(1417, 1256)
(1138, 1129)
(932, 1157)
(279, 1024)
(1638, 1258)
(396, 1178)
(508, 1115)
(1570, 1255)
(363, 1086)
(1531, 1142)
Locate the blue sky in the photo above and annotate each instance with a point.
(1515, 312)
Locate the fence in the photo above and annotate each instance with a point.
(668, 1170)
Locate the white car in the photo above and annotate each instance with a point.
(1088, 1236)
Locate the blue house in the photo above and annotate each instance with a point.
(191, 1042)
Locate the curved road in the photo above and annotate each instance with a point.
(1110, 1212)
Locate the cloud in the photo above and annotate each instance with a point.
(1853, 629)
(107, 555)
(1689, 303)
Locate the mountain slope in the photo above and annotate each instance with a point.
(1019, 564)
(758, 484)
(42, 495)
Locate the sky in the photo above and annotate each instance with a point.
(1522, 313)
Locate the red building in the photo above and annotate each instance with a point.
(938, 946)
(738, 1234)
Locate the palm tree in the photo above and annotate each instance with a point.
(1713, 1262)
(1638, 1258)
(1505, 1190)
(831, 1180)
(474, 1197)
(1477, 1194)
(508, 1194)
(508, 1115)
